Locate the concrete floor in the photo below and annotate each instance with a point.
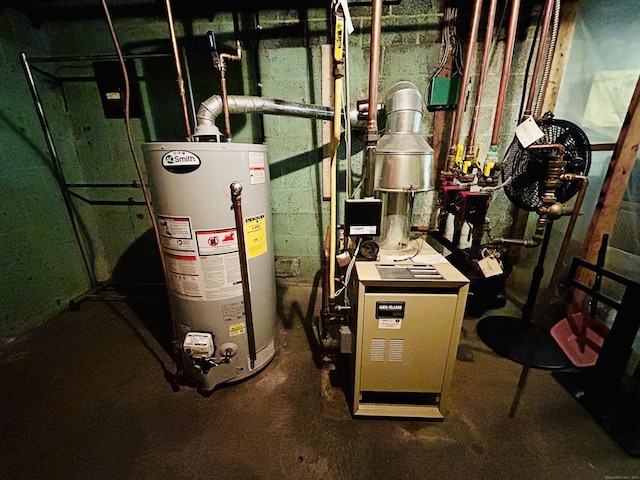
(86, 397)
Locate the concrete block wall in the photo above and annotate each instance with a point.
(286, 49)
(40, 264)
(410, 49)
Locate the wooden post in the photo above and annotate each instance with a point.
(616, 180)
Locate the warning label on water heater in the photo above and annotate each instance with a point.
(255, 232)
(201, 265)
(183, 275)
(257, 172)
(175, 233)
(215, 242)
(220, 263)
(222, 278)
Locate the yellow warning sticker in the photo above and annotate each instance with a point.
(237, 329)
(339, 39)
(255, 233)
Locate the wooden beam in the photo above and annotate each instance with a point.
(616, 179)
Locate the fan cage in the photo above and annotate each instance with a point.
(527, 168)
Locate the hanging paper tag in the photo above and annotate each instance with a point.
(528, 132)
(490, 267)
(347, 16)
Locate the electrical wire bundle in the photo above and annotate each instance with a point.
(452, 48)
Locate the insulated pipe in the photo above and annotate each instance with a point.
(506, 70)
(483, 73)
(213, 106)
(466, 74)
(176, 57)
(544, 33)
(371, 136)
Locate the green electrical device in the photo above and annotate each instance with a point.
(443, 93)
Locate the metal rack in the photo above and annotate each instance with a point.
(76, 191)
(601, 390)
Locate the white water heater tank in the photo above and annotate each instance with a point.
(190, 191)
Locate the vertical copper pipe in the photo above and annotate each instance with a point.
(564, 246)
(371, 136)
(483, 73)
(224, 57)
(506, 70)
(236, 198)
(225, 102)
(374, 64)
(176, 57)
(466, 74)
(540, 54)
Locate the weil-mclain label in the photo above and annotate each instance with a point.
(390, 309)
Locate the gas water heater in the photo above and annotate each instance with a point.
(199, 237)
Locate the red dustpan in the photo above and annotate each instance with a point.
(580, 337)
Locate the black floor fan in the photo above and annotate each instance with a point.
(530, 171)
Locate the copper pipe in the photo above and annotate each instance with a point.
(371, 136)
(540, 54)
(236, 205)
(506, 70)
(466, 74)
(551, 287)
(176, 58)
(374, 65)
(483, 73)
(223, 58)
(550, 209)
(575, 212)
(225, 102)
